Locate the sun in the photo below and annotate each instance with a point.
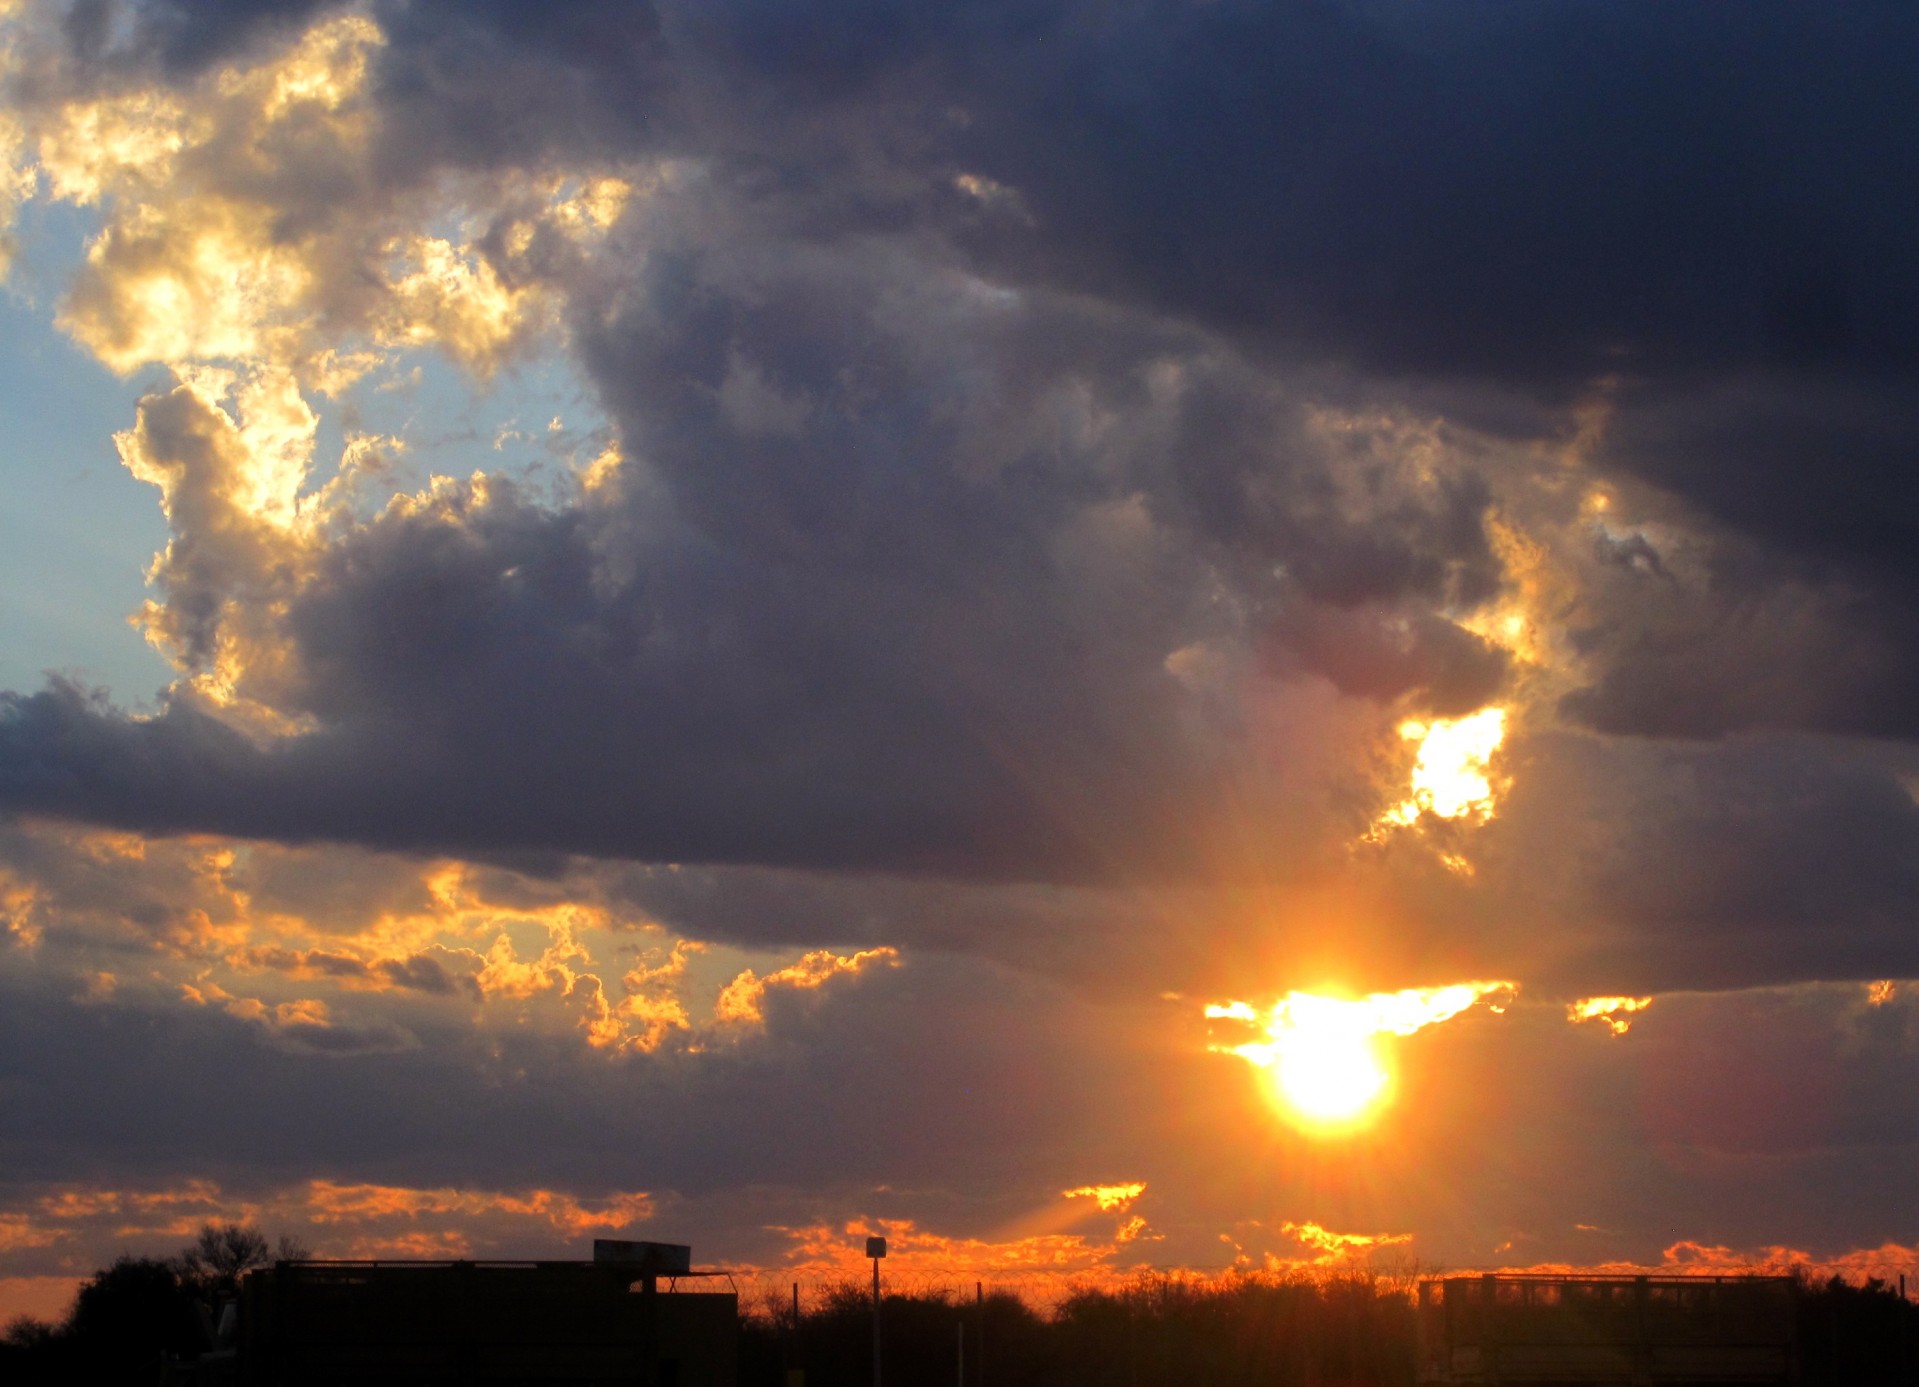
(1329, 1077)
(1326, 1066)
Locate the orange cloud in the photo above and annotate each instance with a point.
(826, 1251)
(639, 1021)
(1308, 1248)
(1615, 1013)
(487, 940)
(740, 1000)
(1110, 1198)
(171, 1211)
(1689, 1257)
(325, 1202)
(1338, 1247)
(19, 1230)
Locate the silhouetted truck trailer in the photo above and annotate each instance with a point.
(1599, 1331)
(632, 1322)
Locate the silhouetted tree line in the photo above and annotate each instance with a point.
(1354, 1330)
(131, 1318)
(1159, 1331)
(1865, 1334)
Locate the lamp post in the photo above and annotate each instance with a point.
(876, 1249)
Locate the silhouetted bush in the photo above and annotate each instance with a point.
(210, 1266)
(130, 1317)
(1860, 1336)
(124, 1321)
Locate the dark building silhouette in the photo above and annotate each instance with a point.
(637, 1315)
(1627, 1331)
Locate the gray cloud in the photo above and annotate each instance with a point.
(922, 622)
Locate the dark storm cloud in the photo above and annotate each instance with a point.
(1804, 610)
(182, 35)
(1536, 194)
(1709, 207)
(1758, 861)
(929, 479)
(895, 587)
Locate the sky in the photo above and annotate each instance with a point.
(1162, 634)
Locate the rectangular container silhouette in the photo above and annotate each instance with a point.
(484, 1322)
(1598, 1331)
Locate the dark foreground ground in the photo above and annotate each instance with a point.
(1257, 1331)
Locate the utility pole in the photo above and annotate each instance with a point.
(1905, 1350)
(795, 1375)
(876, 1249)
(979, 1344)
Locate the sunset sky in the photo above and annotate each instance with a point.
(1092, 633)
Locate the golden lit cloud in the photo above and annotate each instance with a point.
(17, 177)
(1689, 1257)
(641, 1021)
(739, 1002)
(1615, 1013)
(1330, 1247)
(169, 1211)
(1881, 992)
(1110, 1198)
(19, 910)
(197, 282)
(302, 1011)
(1525, 621)
(1323, 1055)
(16, 186)
(18, 1231)
(828, 1251)
(325, 1202)
(325, 69)
(448, 295)
(125, 141)
(252, 930)
(247, 243)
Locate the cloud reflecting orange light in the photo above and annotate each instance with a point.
(1689, 1257)
(1323, 1055)
(1110, 1198)
(740, 1000)
(1615, 1013)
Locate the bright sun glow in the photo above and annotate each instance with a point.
(1324, 1055)
(1451, 778)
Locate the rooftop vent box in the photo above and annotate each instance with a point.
(658, 1259)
